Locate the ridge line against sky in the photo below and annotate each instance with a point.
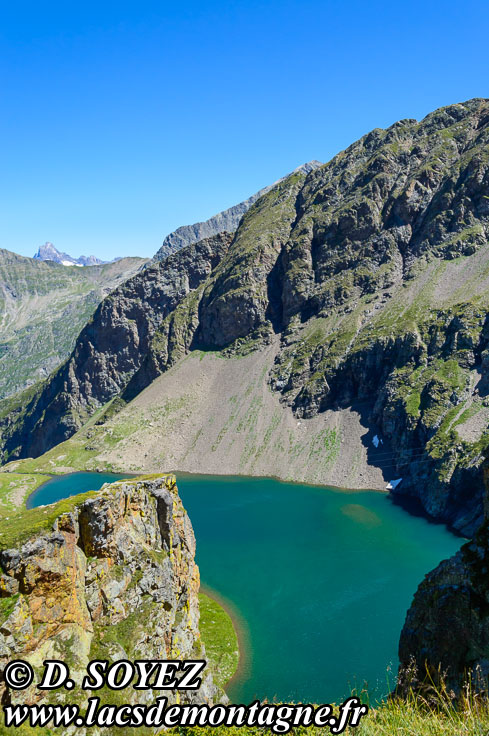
(123, 122)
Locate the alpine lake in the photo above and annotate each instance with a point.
(318, 580)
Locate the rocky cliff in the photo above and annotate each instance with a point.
(368, 280)
(113, 578)
(446, 632)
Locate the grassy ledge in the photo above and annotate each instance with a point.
(26, 523)
(220, 639)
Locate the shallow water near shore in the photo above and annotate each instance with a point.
(322, 579)
(62, 486)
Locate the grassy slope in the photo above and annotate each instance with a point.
(43, 307)
(25, 523)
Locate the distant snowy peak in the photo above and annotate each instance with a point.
(48, 252)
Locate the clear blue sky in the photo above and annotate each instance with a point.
(121, 120)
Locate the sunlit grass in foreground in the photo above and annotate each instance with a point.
(435, 712)
(411, 717)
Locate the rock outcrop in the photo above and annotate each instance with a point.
(114, 579)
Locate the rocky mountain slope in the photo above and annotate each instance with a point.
(43, 307)
(112, 576)
(48, 252)
(363, 288)
(226, 221)
(111, 347)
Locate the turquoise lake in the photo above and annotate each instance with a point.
(320, 579)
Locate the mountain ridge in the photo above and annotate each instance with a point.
(225, 221)
(371, 273)
(48, 252)
(44, 305)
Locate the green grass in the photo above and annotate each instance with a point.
(220, 640)
(76, 453)
(15, 488)
(7, 605)
(125, 633)
(26, 523)
(393, 718)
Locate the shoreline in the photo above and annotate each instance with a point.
(240, 626)
(135, 474)
(54, 476)
(132, 474)
(278, 479)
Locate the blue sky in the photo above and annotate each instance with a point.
(121, 121)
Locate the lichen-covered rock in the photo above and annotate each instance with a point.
(115, 579)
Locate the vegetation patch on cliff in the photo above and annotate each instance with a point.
(220, 640)
(26, 523)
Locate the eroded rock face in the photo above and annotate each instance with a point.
(446, 632)
(111, 347)
(115, 579)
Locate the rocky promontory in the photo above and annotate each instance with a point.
(114, 577)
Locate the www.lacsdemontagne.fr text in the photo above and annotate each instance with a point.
(279, 718)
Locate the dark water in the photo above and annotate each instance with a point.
(62, 486)
(322, 579)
